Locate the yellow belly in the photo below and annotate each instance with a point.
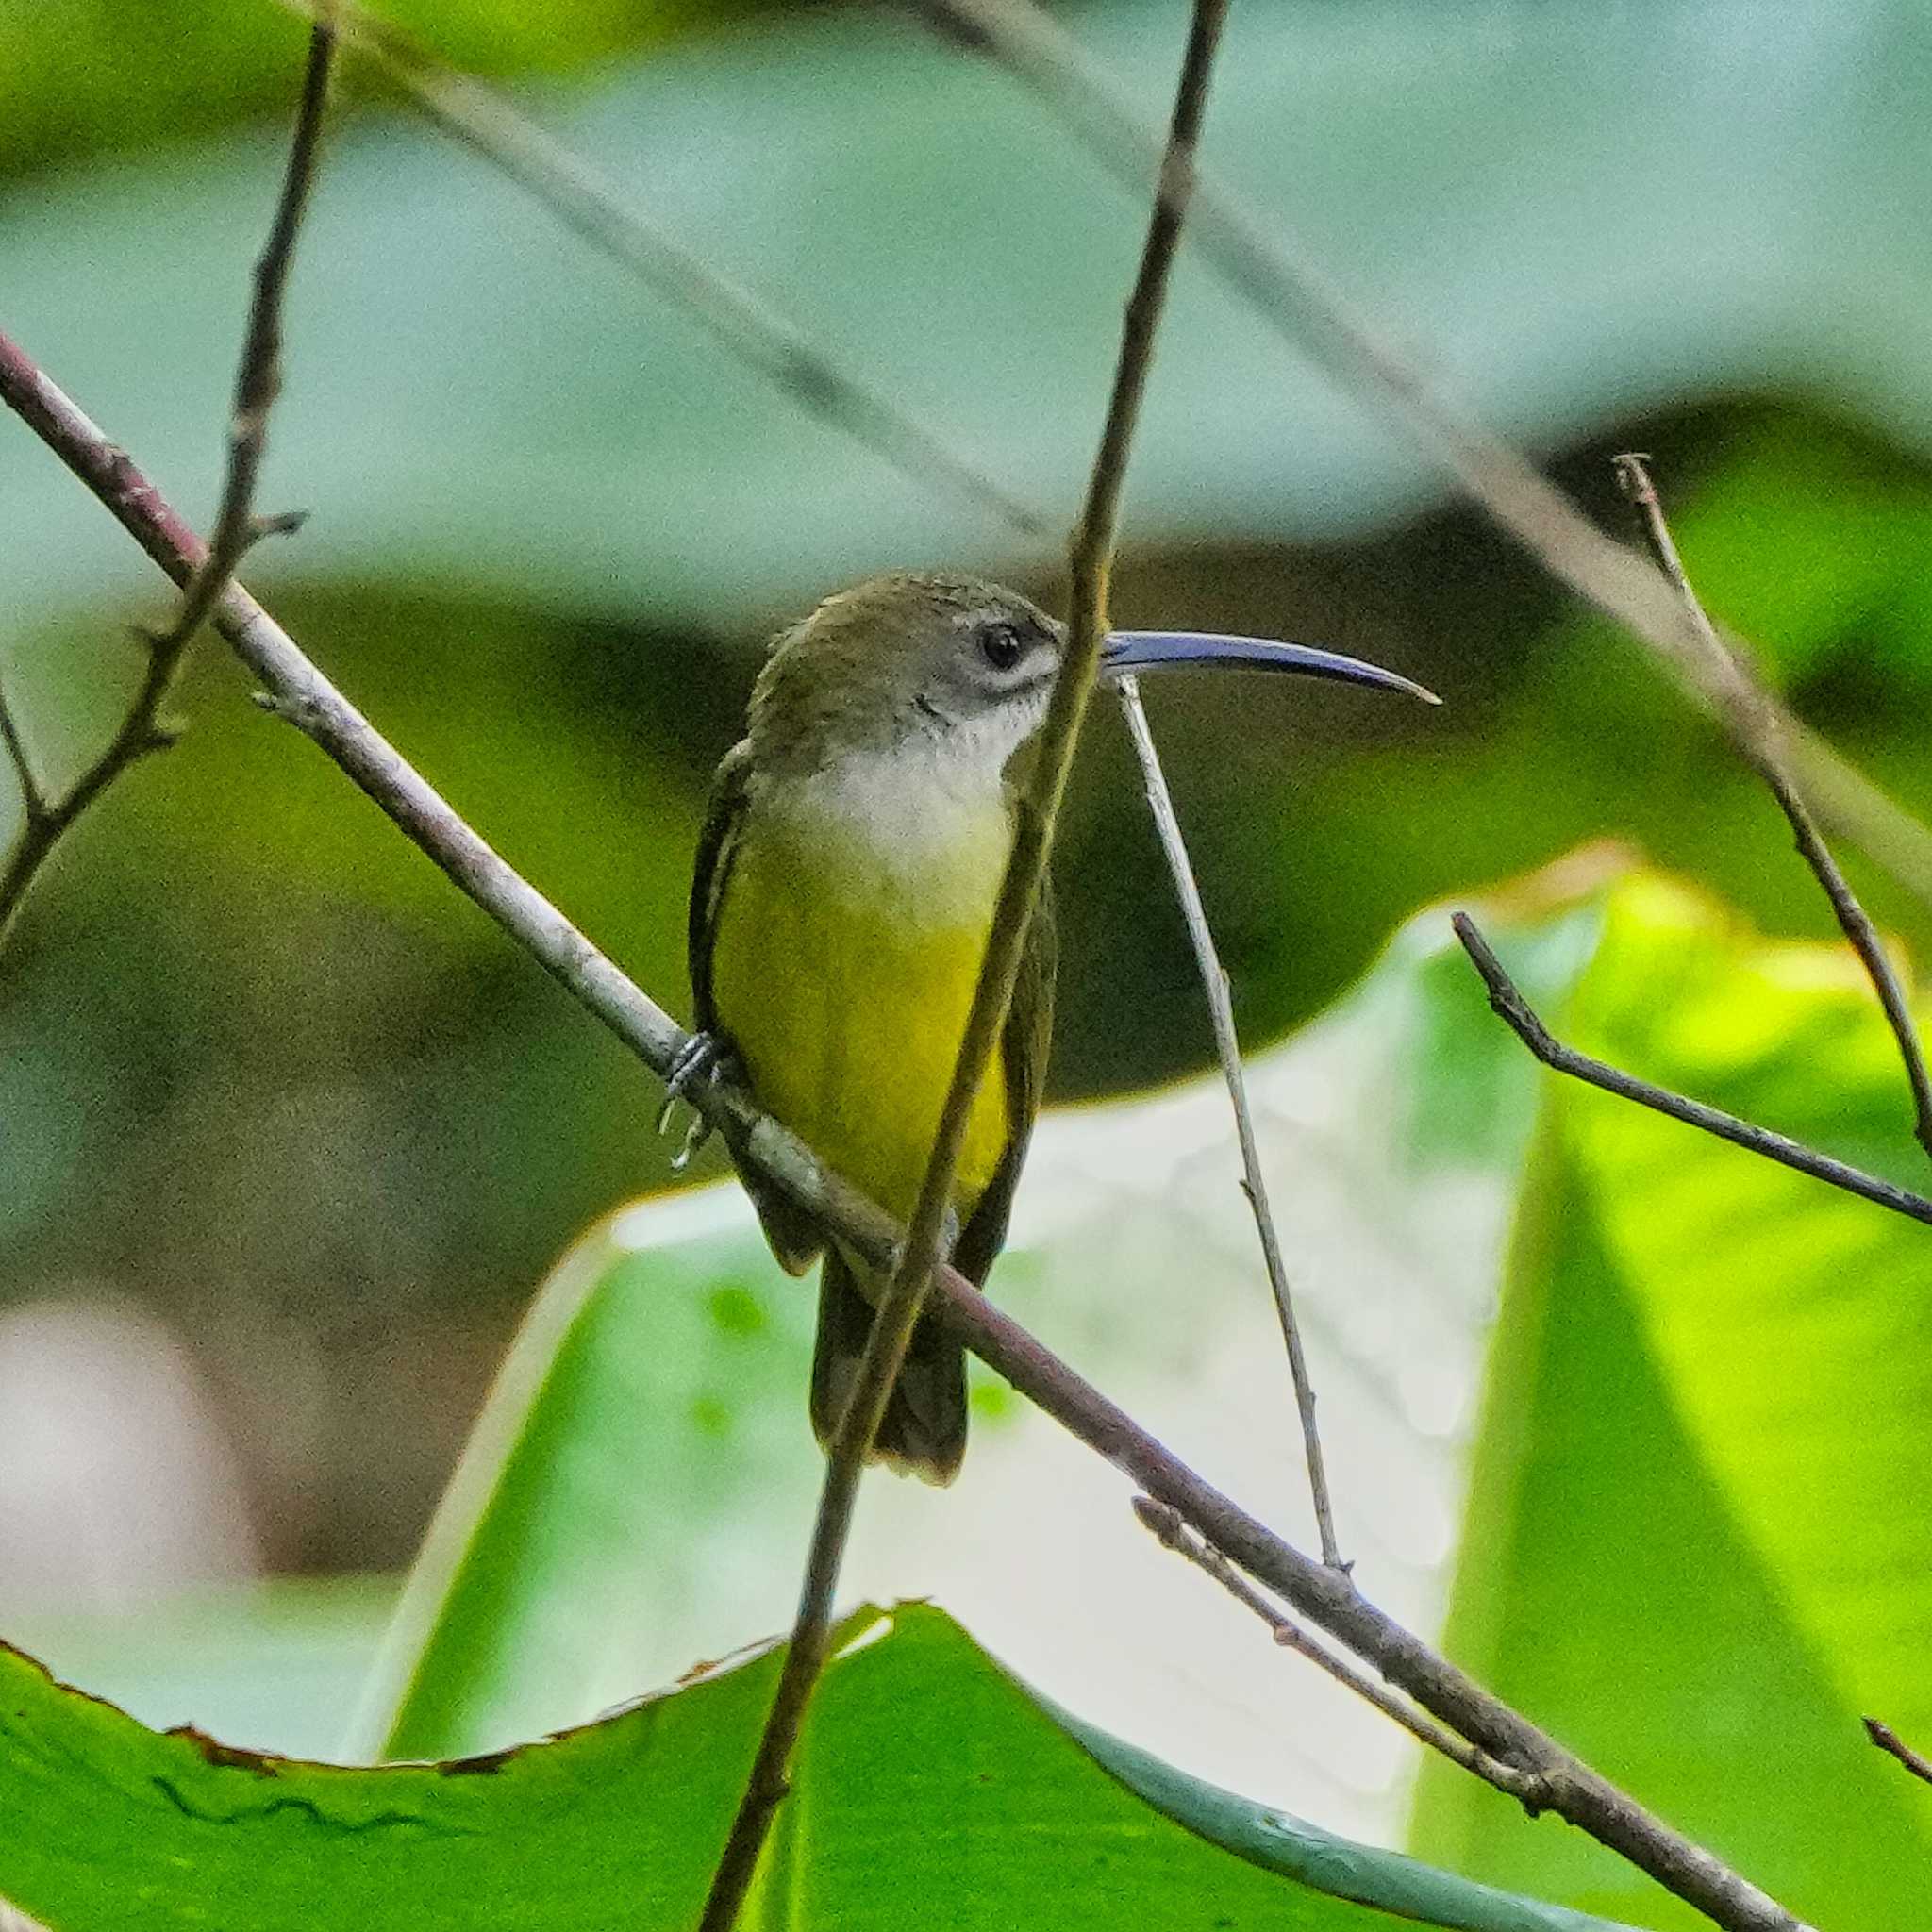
(846, 1007)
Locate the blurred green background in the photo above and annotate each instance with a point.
(288, 1133)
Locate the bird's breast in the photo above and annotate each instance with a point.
(844, 958)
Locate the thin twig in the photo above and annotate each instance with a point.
(485, 123)
(1228, 1047)
(1765, 756)
(1507, 1000)
(1889, 1742)
(1090, 554)
(33, 800)
(258, 382)
(1296, 299)
(141, 731)
(1529, 1789)
(297, 692)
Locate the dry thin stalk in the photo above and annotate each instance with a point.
(1089, 552)
(511, 142)
(1765, 756)
(297, 692)
(1894, 1745)
(141, 731)
(1227, 1047)
(1524, 1787)
(1507, 1001)
(1297, 300)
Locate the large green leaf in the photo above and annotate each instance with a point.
(1699, 1543)
(930, 1783)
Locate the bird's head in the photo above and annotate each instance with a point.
(961, 668)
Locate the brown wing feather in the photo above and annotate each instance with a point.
(792, 1233)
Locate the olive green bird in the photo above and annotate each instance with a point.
(844, 892)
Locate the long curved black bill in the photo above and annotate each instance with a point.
(1156, 650)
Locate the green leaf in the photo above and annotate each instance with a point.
(927, 1775)
(1697, 1541)
(650, 1402)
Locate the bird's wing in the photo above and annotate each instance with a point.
(1024, 1049)
(711, 874)
(792, 1233)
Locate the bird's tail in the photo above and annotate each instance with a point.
(923, 1428)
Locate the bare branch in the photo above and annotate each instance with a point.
(1090, 554)
(486, 124)
(297, 692)
(1228, 1048)
(141, 731)
(1889, 1742)
(33, 800)
(1507, 1000)
(1766, 757)
(1529, 1789)
(259, 379)
(1297, 300)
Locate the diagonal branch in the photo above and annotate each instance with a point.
(141, 731)
(299, 693)
(1894, 1745)
(486, 124)
(1526, 1786)
(1297, 300)
(1766, 757)
(33, 800)
(1507, 1000)
(1090, 555)
(1228, 1049)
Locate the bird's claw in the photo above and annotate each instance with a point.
(700, 1061)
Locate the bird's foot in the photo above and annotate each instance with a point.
(701, 1061)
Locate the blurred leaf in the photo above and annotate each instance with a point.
(88, 77)
(474, 396)
(927, 1775)
(1697, 1541)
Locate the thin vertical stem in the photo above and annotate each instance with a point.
(1089, 552)
(1228, 1047)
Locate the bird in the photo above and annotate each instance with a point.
(842, 896)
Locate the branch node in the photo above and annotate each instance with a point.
(283, 523)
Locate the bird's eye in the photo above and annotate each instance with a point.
(1001, 645)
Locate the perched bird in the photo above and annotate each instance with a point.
(842, 895)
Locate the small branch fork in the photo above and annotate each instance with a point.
(1227, 1046)
(1507, 1001)
(1090, 554)
(141, 732)
(299, 693)
(1894, 1745)
(1763, 752)
(1530, 1789)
